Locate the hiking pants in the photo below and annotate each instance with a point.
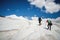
(49, 27)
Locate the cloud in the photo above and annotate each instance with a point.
(16, 17)
(12, 16)
(49, 5)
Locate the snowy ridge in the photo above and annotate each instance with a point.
(28, 30)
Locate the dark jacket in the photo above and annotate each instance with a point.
(40, 20)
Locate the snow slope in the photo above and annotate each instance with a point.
(27, 30)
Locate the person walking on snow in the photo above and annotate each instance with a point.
(49, 24)
(39, 21)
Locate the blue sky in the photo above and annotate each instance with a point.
(23, 8)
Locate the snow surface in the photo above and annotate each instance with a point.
(24, 29)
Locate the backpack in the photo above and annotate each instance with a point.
(49, 21)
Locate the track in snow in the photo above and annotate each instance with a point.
(32, 32)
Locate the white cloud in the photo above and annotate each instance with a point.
(50, 0)
(49, 5)
(15, 17)
(12, 16)
(52, 7)
(38, 3)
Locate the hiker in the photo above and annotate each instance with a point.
(39, 21)
(49, 24)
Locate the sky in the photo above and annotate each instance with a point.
(29, 8)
